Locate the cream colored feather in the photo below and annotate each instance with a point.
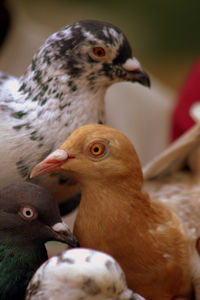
(173, 179)
(175, 157)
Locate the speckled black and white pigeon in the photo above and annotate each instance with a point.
(80, 274)
(63, 88)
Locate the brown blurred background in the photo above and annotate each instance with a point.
(164, 34)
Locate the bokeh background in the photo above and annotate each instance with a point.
(164, 36)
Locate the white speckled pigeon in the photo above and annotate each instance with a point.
(63, 88)
(80, 274)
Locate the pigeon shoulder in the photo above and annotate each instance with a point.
(9, 85)
(9, 95)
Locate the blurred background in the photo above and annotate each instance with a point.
(164, 36)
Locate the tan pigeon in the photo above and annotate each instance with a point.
(116, 216)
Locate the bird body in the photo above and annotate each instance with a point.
(116, 216)
(32, 137)
(62, 89)
(80, 274)
(173, 179)
(29, 217)
(156, 244)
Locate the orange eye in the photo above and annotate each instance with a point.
(97, 149)
(99, 51)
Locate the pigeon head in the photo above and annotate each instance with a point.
(29, 217)
(87, 57)
(95, 50)
(93, 152)
(80, 274)
(30, 214)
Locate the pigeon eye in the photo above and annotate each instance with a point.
(99, 51)
(28, 213)
(97, 149)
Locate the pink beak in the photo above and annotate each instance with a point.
(50, 164)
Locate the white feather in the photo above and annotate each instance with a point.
(80, 274)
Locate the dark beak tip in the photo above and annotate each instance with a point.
(76, 242)
(138, 76)
(144, 79)
(67, 238)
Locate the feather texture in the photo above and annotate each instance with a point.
(62, 89)
(80, 274)
(115, 215)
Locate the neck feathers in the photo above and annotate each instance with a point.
(17, 266)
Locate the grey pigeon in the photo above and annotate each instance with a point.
(63, 88)
(80, 274)
(29, 217)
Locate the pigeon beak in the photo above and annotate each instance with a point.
(62, 233)
(134, 72)
(50, 164)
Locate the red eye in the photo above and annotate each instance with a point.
(28, 213)
(99, 51)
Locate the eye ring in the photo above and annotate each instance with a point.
(97, 149)
(99, 51)
(28, 213)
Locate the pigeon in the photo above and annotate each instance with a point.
(29, 217)
(80, 274)
(62, 89)
(115, 216)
